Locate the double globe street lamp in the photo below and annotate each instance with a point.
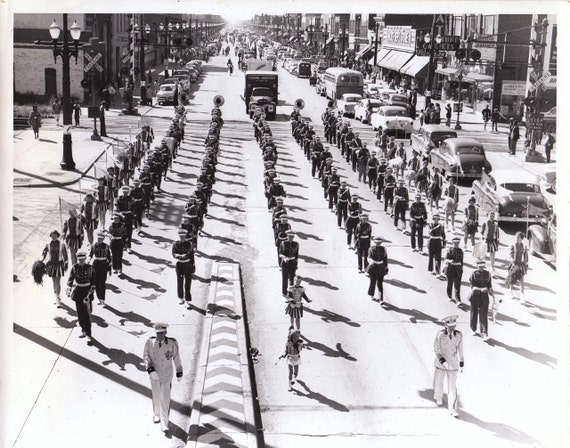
(63, 50)
(431, 46)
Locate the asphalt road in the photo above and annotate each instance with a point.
(366, 376)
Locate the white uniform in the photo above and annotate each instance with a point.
(158, 358)
(448, 345)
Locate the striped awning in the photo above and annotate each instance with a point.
(416, 66)
(382, 54)
(366, 53)
(395, 60)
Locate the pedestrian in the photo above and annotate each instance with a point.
(230, 66)
(102, 119)
(292, 352)
(418, 218)
(124, 206)
(183, 251)
(101, 200)
(117, 234)
(76, 112)
(549, 145)
(454, 270)
(56, 109)
(514, 135)
(89, 216)
(481, 286)
(354, 212)
(73, 234)
(486, 113)
(57, 262)
(448, 113)
(35, 121)
(100, 256)
(160, 352)
(490, 235)
(518, 266)
(450, 203)
(435, 189)
(362, 236)
(495, 117)
(295, 296)
(422, 117)
(448, 347)
(436, 244)
(112, 93)
(82, 276)
(471, 222)
(436, 114)
(377, 269)
(106, 97)
(288, 255)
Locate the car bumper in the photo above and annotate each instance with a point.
(532, 219)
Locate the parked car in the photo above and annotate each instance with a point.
(347, 102)
(384, 95)
(165, 94)
(396, 99)
(320, 87)
(362, 106)
(460, 157)
(392, 118)
(509, 193)
(429, 137)
(371, 90)
(542, 238)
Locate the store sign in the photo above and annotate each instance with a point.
(399, 37)
(513, 88)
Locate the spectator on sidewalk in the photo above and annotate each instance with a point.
(495, 116)
(514, 135)
(112, 93)
(106, 97)
(549, 145)
(35, 121)
(486, 113)
(56, 264)
(56, 109)
(102, 118)
(448, 113)
(160, 352)
(76, 112)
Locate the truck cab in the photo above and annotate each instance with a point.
(261, 90)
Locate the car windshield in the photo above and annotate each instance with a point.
(261, 91)
(394, 112)
(352, 99)
(521, 187)
(399, 98)
(436, 139)
(166, 88)
(468, 150)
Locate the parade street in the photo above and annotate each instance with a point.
(366, 377)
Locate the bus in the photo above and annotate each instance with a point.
(340, 80)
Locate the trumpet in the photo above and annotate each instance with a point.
(219, 100)
(299, 104)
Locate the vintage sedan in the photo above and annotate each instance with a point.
(460, 157)
(549, 176)
(514, 195)
(392, 118)
(362, 106)
(165, 94)
(347, 102)
(430, 136)
(542, 238)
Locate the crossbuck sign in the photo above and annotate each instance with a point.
(93, 62)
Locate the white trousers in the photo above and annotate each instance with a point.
(438, 377)
(161, 400)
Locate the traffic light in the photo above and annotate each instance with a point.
(545, 105)
(177, 41)
(189, 41)
(532, 102)
(461, 54)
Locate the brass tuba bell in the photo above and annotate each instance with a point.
(299, 104)
(219, 100)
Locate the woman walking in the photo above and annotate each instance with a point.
(293, 355)
(518, 267)
(295, 296)
(56, 251)
(35, 121)
(89, 216)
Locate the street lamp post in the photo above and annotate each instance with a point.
(310, 32)
(343, 34)
(65, 52)
(325, 31)
(431, 44)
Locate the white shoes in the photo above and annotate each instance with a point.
(439, 402)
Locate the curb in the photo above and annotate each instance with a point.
(249, 432)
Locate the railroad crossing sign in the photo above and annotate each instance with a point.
(539, 82)
(93, 62)
(461, 71)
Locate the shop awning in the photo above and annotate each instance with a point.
(382, 54)
(294, 39)
(330, 41)
(477, 77)
(448, 71)
(417, 66)
(366, 53)
(395, 60)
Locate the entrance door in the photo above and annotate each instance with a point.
(51, 81)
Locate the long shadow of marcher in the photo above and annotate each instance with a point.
(119, 357)
(415, 315)
(319, 397)
(327, 351)
(131, 316)
(542, 358)
(319, 283)
(330, 316)
(142, 284)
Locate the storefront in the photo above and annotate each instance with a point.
(513, 94)
(480, 90)
(415, 72)
(401, 41)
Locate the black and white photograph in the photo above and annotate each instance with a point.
(257, 225)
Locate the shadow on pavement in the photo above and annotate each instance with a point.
(330, 316)
(404, 285)
(415, 315)
(542, 358)
(319, 283)
(327, 351)
(307, 236)
(319, 397)
(118, 357)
